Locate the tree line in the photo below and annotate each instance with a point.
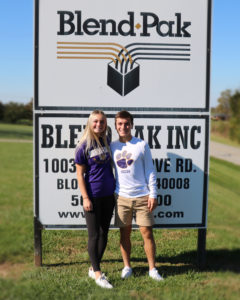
(228, 108)
(17, 113)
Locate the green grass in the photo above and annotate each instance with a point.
(13, 131)
(65, 258)
(223, 140)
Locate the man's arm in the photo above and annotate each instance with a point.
(150, 178)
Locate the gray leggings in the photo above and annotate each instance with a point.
(98, 222)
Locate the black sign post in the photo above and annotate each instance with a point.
(37, 242)
(201, 248)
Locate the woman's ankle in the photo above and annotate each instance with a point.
(97, 274)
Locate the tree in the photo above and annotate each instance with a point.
(2, 108)
(223, 107)
(235, 119)
(13, 112)
(28, 110)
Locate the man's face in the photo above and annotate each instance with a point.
(123, 127)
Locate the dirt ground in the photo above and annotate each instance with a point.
(12, 271)
(225, 152)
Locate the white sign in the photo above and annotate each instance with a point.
(138, 55)
(179, 146)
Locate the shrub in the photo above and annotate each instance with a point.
(24, 122)
(2, 108)
(235, 120)
(13, 112)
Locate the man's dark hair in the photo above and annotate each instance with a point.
(124, 115)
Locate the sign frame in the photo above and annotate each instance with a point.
(37, 106)
(148, 111)
(203, 224)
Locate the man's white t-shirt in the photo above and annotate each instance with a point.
(135, 175)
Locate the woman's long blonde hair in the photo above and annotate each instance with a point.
(90, 138)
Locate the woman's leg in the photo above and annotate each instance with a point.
(93, 225)
(107, 206)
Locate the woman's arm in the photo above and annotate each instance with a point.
(87, 204)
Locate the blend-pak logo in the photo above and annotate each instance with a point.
(139, 55)
(123, 72)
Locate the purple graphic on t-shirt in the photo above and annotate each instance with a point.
(123, 159)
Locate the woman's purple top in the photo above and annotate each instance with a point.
(99, 177)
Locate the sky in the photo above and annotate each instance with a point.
(16, 49)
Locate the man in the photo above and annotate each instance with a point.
(135, 191)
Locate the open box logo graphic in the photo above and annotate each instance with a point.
(123, 74)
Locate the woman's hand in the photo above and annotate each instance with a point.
(87, 204)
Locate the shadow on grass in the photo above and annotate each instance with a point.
(216, 260)
(80, 263)
(15, 134)
(73, 263)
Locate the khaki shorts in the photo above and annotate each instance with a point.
(126, 207)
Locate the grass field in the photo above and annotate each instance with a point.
(13, 131)
(65, 258)
(216, 137)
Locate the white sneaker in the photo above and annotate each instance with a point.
(155, 275)
(91, 273)
(126, 272)
(103, 282)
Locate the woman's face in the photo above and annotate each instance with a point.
(98, 124)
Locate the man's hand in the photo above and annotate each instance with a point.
(152, 203)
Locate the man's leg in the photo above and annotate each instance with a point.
(149, 245)
(125, 244)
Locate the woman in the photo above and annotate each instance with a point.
(97, 184)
